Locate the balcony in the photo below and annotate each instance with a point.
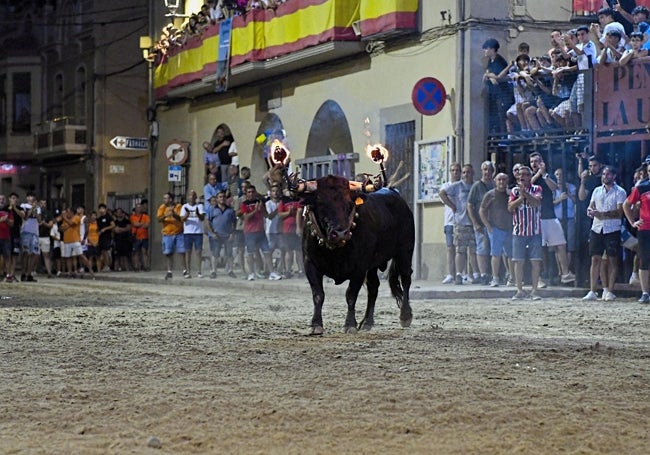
(58, 138)
(269, 43)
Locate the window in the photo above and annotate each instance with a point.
(80, 96)
(22, 118)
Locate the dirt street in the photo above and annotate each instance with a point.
(107, 367)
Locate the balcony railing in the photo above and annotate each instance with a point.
(59, 137)
(332, 29)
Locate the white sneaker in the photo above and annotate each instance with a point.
(540, 284)
(448, 279)
(591, 295)
(609, 297)
(467, 280)
(634, 279)
(199, 275)
(274, 276)
(251, 277)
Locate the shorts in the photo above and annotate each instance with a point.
(482, 242)
(275, 241)
(141, 244)
(70, 250)
(217, 243)
(552, 233)
(644, 249)
(291, 242)
(530, 244)
(193, 240)
(44, 244)
(92, 251)
(256, 241)
(5, 248)
(500, 242)
(105, 242)
(29, 243)
(609, 243)
(449, 235)
(464, 239)
(123, 247)
(173, 244)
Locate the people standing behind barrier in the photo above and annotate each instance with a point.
(92, 241)
(169, 215)
(71, 250)
(140, 222)
(226, 148)
(253, 212)
(636, 51)
(105, 226)
(476, 193)
(211, 160)
(14, 207)
(220, 220)
(613, 50)
(564, 200)
(239, 241)
(606, 209)
(606, 24)
(192, 216)
(524, 203)
(499, 92)
(122, 238)
(454, 176)
(456, 197)
(290, 214)
(44, 242)
(552, 232)
(640, 195)
(6, 222)
(273, 230)
(212, 188)
(31, 213)
(498, 223)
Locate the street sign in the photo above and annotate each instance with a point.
(130, 143)
(175, 173)
(428, 96)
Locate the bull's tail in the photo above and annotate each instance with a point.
(395, 283)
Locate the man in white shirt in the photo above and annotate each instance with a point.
(192, 216)
(606, 209)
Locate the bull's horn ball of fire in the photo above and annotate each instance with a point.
(279, 154)
(378, 153)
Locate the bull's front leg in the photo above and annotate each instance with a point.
(351, 295)
(315, 279)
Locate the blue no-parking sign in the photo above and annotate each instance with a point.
(429, 96)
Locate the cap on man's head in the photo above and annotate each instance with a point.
(647, 159)
(491, 44)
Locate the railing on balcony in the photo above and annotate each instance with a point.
(60, 137)
(264, 36)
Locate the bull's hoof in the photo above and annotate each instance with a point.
(366, 327)
(405, 322)
(317, 330)
(351, 330)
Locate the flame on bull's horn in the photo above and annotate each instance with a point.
(377, 152)
(279, 153)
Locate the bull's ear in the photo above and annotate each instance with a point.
(358, 197)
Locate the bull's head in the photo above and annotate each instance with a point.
(331, 211)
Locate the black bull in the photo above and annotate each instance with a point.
(350, 235)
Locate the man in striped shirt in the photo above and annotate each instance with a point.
(524, 204)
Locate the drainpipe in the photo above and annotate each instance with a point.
(459, 130)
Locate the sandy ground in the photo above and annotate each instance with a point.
(102, 367)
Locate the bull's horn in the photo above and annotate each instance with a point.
(366, 188)
(306, 186)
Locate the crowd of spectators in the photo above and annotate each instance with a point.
(211, 13)
(535, 94)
